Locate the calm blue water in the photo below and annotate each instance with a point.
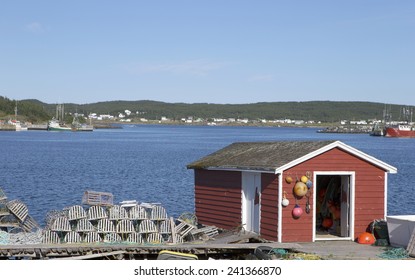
(51, 170)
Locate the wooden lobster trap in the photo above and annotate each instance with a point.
(98, 198)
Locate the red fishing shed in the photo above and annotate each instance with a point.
(247, 184)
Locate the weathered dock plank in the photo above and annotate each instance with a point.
(95, 255)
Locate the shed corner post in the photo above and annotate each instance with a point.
(279, 229)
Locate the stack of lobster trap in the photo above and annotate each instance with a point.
(16, 225)
(14, 216)
(98, 220)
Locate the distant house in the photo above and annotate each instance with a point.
(361, 122)
(246, 183)
(243, 120)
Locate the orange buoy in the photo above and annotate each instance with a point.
(327, 223)
(366, 238)
(288, 179)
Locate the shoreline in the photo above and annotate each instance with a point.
(119, 125)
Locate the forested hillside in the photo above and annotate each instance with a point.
(27, 110)
(324, 111)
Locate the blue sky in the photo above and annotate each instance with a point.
(213, 51)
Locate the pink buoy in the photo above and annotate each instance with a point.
(297, 212)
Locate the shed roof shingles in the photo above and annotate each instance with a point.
(265, 156)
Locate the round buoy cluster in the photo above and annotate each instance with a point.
(301, 188)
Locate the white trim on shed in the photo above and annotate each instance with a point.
(347, 148)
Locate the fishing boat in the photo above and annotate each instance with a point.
(400, 130)
(378, 130)
(78, 126)
(55, 125)
(82, 127)
(16, 124)
(403, 128)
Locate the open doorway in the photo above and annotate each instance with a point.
(333, 202)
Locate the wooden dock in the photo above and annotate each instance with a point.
(227, 245)
(216, 249)
(233, 246)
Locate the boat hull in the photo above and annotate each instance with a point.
(396, 132)
(54, 125)
(83, 128)
(400, 229)
(58, 128)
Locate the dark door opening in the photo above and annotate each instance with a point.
(332, 206)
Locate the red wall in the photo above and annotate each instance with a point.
(369, 193)
(269, 207)
(218, 198)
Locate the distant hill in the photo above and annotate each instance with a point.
(324, 111)
(27, 110)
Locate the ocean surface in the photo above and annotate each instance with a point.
(52, 170)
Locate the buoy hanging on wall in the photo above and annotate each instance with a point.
(285, 202)
(304, 179)
(297, 212)
(300, 189)
(307, 179)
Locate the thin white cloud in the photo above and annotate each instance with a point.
(262, 78)
(35, 27)
(198, 67)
